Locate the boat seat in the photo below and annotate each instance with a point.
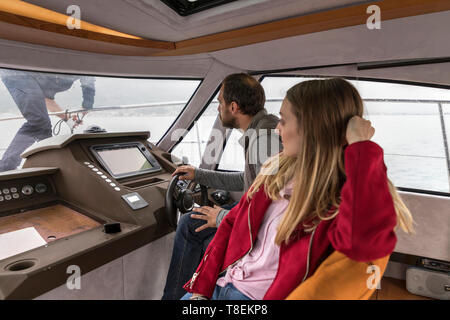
(340, 278)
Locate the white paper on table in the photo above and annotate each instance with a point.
(15, 242)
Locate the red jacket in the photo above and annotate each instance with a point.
(363, 230)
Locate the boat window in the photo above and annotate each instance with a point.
(412, 125)
(194, 142)
(233, 157)
(114, 104)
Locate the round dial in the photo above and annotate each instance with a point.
(41, 188)
(27, 190)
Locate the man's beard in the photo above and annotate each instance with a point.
(229, 123)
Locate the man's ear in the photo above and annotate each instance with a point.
(234, 108)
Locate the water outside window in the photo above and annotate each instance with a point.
(410, 122)
(118, 104)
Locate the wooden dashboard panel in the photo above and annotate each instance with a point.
(52, 223)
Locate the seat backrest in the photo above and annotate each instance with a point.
(340, 278)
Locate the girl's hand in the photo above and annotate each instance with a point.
(359, 129)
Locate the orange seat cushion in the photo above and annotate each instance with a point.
(340, 278)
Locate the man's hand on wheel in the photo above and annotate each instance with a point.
(187, 171)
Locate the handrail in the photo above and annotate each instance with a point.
(176, 103)
(109, 108)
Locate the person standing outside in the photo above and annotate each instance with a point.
(34, 94)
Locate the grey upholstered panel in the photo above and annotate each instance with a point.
(103, 283)
(415, 37)
(42, 58)
(432, 217)
(141, 274)
(145, 269)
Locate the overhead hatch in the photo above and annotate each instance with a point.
(188, 7)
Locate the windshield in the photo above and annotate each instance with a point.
(37, 105)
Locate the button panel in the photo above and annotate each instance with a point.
(102, 175)
(22, 190)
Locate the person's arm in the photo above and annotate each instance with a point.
(88, 89)
(363, 230)
(52, 106)
(220, 216)
(230, 181)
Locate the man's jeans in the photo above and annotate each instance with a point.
(29, 98)
(228, 292)
(188, 249)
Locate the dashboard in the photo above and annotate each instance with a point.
(65, 198)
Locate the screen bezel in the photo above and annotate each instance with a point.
(116, 146)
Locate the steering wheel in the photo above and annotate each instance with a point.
(180, 200)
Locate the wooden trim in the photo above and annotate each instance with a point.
(56, 221)
(27, 15)
(317, 22)
(131, 45)
(24, 9)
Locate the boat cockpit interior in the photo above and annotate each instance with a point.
(89, 206)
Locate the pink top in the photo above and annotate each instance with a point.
(255, 272)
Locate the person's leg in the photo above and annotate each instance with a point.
(189, 248)
(187, 296)
(186, 255)
(30, 100)
(215, 295)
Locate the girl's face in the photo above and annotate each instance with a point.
(289, 130)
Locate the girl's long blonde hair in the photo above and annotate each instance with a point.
(323, 109)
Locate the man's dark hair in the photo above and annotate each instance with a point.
(243, 89)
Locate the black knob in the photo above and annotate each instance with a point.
(112, 227)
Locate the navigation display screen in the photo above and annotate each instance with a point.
(126, 160)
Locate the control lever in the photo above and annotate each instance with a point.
(222, 197)
(112, 227)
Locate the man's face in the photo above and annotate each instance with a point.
(227, 118)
